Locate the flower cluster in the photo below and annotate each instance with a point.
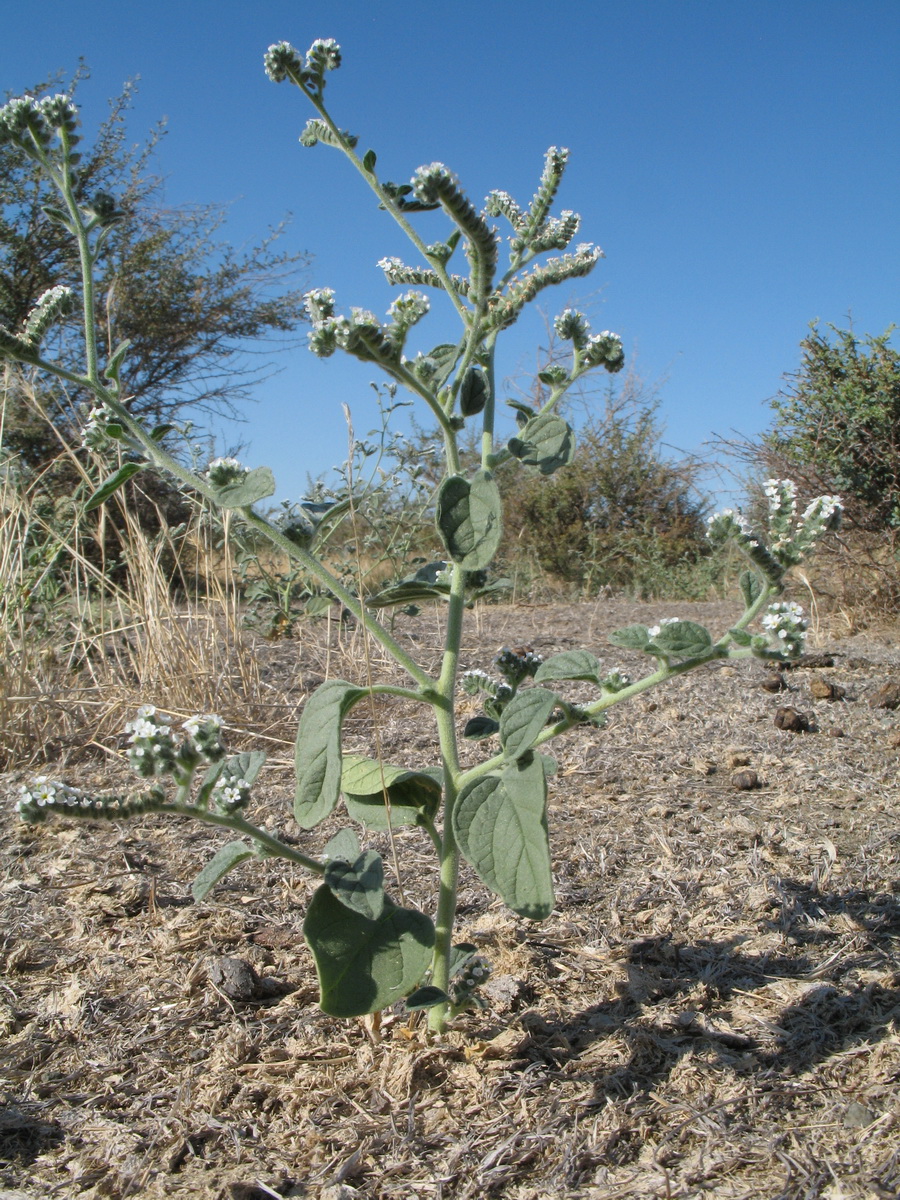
(152, 749)
(204, 736)
(474, 682)
(591, 350)
(283, 62)
(471, 975)
(615, 681)
(230, 793)
(786, 627)
(94, 435)
(44, 797)
(31, 123)
(517, 664)
(223, 471)
(729, 525)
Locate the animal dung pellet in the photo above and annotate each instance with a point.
(824, 689)
(774, 682)
(887, 696)
(791, 720)
(746, 780)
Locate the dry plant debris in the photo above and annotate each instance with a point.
(712, 1009)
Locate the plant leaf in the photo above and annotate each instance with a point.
(740, 637)
(344, 844)
(571, 664)
(256, 485)
(524, 718)
(681, 639)
(445, 356)
(369, 161)
(247, 765)
(112, 484)
(469, 519)
(500, 823)
(751, 586)
(546, 442)
(632, 637)
(364, 965)
(219, 866)
(358, 885)
(317, 752)
(477, 728)
(473, 392)
(410, 793)
(425, 997)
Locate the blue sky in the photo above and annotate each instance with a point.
(737, 162)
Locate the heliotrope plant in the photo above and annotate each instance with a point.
(370, 951)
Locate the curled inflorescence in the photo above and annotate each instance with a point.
(517, 664)
(44, 797)
(223, 471)
(472, 974)
(786, 628)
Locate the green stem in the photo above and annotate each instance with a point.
(274, 847)
(449, 851)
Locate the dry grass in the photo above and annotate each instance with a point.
(712, 1009)
(96, 617)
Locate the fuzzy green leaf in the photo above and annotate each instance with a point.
(256, 485)
(425, 997)
(500, 823)
(317, 752)
(411, 794)
(751, 586)
(523, 719)
(546, 442)
(469, 519)
(632, 637)
(473, 392)
(369, 161)
(364, 965)
(477, 728)
(571, 664)
(444, 356)
(740, 637)
(681, 639)
(344, 844)
(112, 484)
(359, 884)
(218, 867)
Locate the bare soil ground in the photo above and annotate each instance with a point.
(712, 1009)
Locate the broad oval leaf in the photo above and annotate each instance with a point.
(473, 392)
(571, 664)
(317, 752)
(500, 823)
(255, 485)
(477, 728)
(219, 866)
(546, 442)
(523, 719)
(469, 519)
(344, 844)
(632, 637)
(359, 884)
(364, 965)
(410, 794)
(682, 639)
(425, 997)
(112, 484)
